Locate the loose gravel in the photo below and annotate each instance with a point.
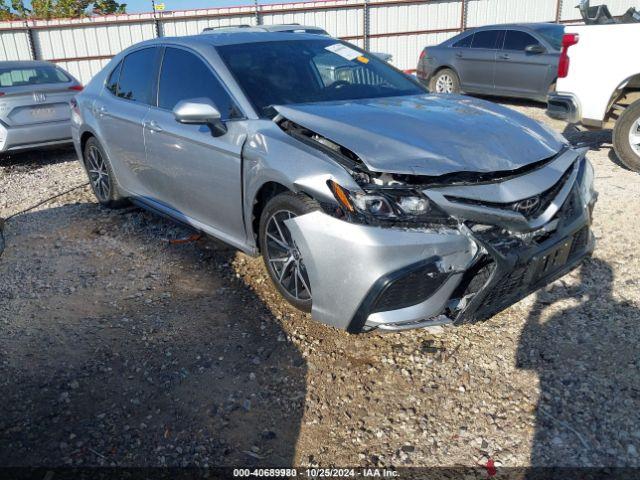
(118, 347)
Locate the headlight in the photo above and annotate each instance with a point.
(388, 204)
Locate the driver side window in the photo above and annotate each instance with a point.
(185, 76)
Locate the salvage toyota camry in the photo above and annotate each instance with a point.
(373, 203)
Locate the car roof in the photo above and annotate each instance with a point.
(25, 64)
(292, 27)
(524, 26)
(218, 39)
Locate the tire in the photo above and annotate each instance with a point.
(626, 137)
(280, 254)
(445, 81)
(101, 177)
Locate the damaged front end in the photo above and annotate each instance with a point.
(405, 251)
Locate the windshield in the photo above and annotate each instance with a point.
(36, 75)
(552, 34)
(305, 71)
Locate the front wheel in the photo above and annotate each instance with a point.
(626, 136)
(279, 251)
(445, 81)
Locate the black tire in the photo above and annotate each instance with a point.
(628, 123)
(445, 81)
(105, 188)
(276, 257)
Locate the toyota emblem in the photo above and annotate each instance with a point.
(528, 205)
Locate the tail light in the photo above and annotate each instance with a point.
(423, 54)
(1, 94)
(568, 40)
(77, 88)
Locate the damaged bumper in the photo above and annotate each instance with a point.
(365, 277)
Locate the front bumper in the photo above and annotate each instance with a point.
(34, 136)
(365, 277)
(563, 107)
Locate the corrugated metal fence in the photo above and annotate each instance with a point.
(399, 27)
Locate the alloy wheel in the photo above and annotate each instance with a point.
(98, 174)
(284, 258)
(444, 84)
(634, 136)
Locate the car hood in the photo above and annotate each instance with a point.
(429, 134)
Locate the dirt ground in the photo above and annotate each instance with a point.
(118, 347)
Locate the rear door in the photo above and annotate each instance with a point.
(190, 169)
(476, 64)
(522, 73)
(121, 111)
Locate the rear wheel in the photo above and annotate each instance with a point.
(281, 255)
(445, 81)
(101, 175)
(626, 136)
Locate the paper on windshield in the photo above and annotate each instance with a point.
(343, 51)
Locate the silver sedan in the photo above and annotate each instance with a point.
(374, 204)
(34, 105)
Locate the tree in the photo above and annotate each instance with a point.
(58, 8)
(5, 11)
(106, 7)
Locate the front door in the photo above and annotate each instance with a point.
(195, 171)
(519, 72)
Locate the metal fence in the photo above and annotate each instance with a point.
(399, 27)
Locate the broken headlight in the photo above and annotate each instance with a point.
(388, 205)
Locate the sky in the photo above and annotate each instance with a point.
(145, 5)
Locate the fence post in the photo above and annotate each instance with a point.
(559, 11)
(256, 12)
(30, 42)
(463, 15)
(365, 25)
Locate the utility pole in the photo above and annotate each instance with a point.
(256, 11)
(156, 24)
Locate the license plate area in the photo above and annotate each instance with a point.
(42, 113)
(551, 261)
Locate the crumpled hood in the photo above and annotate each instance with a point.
(429, 134)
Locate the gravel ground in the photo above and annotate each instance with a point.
(118, 347)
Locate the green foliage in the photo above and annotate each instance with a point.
(58, 8)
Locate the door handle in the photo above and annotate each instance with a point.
(153, 126)
(504, 56)
(459, 54)
(100, 111)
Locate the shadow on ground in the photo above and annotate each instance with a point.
(576, 351)
(37, 158)
(122, 349)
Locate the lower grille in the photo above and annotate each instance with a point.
(412, 288)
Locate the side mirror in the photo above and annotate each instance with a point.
(535, 49)
(199, 111)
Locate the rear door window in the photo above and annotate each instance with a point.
(112, 81)
(517, 40)
(464, 42)
(185, 76)
(488, 39)
(138, 76)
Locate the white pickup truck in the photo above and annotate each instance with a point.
(599, 84)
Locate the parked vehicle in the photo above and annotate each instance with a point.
(374, 204)
(290, 27)
(600, 15)
(599, 85)
(34, 105)
(519, 60)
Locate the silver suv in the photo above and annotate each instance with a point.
(374, 204)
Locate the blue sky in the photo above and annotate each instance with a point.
(145, 5)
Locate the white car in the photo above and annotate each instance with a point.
(599, 84)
